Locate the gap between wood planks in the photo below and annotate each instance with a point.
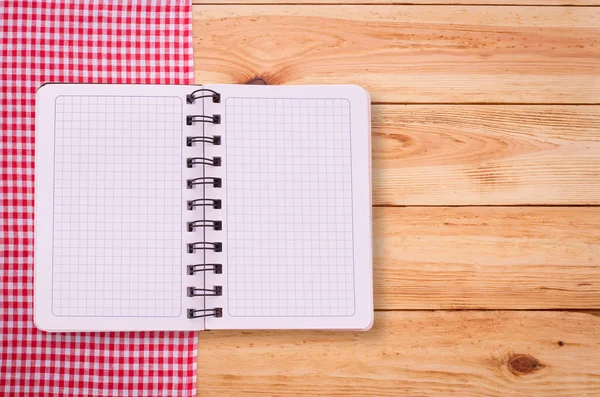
(485, 205)
(197, 3)
(593, 312)
(485, 103)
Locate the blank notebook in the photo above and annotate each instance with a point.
(202, 208)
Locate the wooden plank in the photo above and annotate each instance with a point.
(482, 155)
(468, 353)
(426, 54)
(486, 257)
(432, 2)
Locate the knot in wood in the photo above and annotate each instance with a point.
(523, 364)
(257, 81)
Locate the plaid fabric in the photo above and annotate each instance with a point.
(89, 41)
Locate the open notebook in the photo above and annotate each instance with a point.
(202, 207)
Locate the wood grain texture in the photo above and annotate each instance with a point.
(425, 54)
(486, 257)
(436, 155)
(472, 354)
(482, 155)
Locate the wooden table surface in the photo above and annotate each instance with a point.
(486, 192)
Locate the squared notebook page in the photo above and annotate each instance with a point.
(109, 208)
(297, 199)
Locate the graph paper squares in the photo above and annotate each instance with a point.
(117, 206)
(289, 207)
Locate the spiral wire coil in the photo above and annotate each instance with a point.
(191, 162)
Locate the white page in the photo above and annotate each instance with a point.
(297, 195)
(110, 215)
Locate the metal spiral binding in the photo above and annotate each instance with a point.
(190, 98)
(197, 313)
(216, 225)
(215, 161)
(213, 140)
(203, 180)
(205, 267)
(193, 162)
(193, 291)
(201, 118)
(203, 245)
(215, 203)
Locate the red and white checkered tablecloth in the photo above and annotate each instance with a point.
(85, 41)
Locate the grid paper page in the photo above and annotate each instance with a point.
(289, 207)
(117, 206)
